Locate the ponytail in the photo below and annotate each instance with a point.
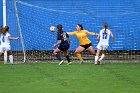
(81, 26)
(60, 30)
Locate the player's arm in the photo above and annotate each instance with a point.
(112, 37)
(72, 33)
(92, 33)
(13, 38)
(59, 41)
(98, 37)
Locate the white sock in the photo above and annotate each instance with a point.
(11, 59)
(102, 57)
(5, 57)
(96, 59)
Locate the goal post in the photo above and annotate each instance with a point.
(4, 24)
(20, 31)
(31, 20)
(1, 13)
(4, 12)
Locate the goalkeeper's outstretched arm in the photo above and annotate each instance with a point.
(92, 33)
(71, 33)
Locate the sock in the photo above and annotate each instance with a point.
(79, 57)
(68, 59)
(11, 59)
(102, 57)
(58, 57)
(5, 57)
(96, 59)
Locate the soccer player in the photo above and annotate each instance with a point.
(64, 44)
(5, 43)
(103, 44)
(85, 43)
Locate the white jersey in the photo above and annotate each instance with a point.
(5, 40)
(104, 37)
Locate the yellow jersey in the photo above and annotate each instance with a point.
(81, 36)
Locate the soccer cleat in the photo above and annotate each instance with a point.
(101, 62)
(61, 62)
(81, 62)
(95, 63)
(69, 63)
(98, 63)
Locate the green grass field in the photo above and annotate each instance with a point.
(75, 78)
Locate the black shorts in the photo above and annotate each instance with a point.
(64, 47)
(86, 46)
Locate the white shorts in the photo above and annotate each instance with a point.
(4, 48)
(102, 47)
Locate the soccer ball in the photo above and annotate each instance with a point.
(52, 28)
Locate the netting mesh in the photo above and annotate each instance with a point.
(37, 16)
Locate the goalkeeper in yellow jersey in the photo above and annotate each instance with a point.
(85, 43)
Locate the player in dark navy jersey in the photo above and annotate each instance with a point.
(64, 44)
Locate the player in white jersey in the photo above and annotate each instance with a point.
(5, 43)
(103, 44)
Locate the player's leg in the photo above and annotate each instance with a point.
(97, 56)
(2, 51)
(65, 49)
(67, 56)
(78, 51)
(56, 52)
(99, 48)
(103, 53)
(10, 56)
(102, 56)
(5, 57)
(91, 50)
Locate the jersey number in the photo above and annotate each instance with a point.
(64, 37)
(104, 35)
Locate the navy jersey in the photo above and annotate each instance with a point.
(63, 37)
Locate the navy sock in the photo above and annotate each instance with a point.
(68, 59)
(58, 57)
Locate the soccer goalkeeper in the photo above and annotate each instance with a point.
(85, 43)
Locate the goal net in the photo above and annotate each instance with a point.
(31, 21)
